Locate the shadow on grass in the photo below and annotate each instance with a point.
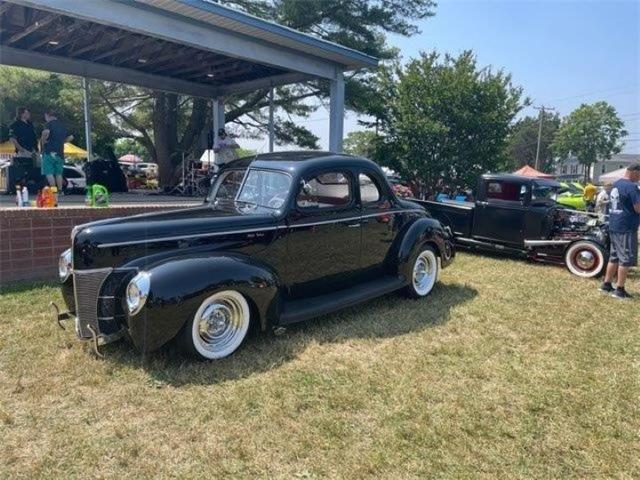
(388, 316)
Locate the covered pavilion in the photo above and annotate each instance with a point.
(192, 47)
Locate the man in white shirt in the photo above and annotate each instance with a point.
(225, 149)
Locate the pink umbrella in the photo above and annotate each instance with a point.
(130, 158)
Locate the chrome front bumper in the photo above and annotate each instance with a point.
(97, 339)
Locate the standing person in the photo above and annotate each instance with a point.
(589, 195)
(54, 136)
(23, 135)
(602, 202)
(624, 220)
(225, 149)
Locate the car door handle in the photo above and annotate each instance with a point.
(353, 225)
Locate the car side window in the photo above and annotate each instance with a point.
(325, 190)
(369, 191)
(506, 191)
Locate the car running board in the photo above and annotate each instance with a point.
(300, 310)
(488, 246)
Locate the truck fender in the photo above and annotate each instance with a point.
(179, 286)
(420, 232)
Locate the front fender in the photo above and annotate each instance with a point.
(420, 232)
(178, 287)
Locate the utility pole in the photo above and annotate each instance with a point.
(542, 110)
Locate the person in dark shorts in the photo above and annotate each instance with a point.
(23, 135)
(624, 220)
(54, 136)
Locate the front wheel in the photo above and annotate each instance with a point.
(424, 273)
(585, 259)
(218, 327)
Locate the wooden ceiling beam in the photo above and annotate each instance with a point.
(168, 56)
(220, 74)
(141, 51)
(4, 7)
(192, 67)
(126, 45)
(65, 37)
(37, 25)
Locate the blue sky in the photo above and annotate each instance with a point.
(563, 53)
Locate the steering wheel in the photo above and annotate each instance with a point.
(276, 202)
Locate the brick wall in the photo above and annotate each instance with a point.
(31, 239)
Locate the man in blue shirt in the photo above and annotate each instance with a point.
(624, 219)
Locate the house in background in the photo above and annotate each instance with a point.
(572, 170)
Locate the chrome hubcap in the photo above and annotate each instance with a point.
(424, 272)
(220, 324)
(585, 259)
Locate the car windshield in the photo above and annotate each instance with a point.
(251, 191)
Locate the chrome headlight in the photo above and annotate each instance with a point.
(64, 265)
(137, 292)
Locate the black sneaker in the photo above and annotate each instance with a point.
(606, 287)
(621, 294)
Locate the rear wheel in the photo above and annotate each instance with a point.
(424, 273)
(218, 327)
(585, 259)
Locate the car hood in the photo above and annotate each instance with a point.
(179, 224)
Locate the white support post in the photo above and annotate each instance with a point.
(218, 117)
(336, 114)
(87, 118)
(271, 131)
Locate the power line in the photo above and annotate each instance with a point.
(628, 88)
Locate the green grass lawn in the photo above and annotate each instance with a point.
(508, 370)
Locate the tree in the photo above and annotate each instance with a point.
(156, 119)
(590, 133)
(523, 141)
(445, 120)
(126, 146)
(361, 143)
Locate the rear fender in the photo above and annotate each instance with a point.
(422, 231)
(178, 287)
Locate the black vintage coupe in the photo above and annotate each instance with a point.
(281, 238)
(518, 216)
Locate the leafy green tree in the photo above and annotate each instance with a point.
(126, 146)
(361, 143)
(522, 142)
(446, 120)
(590, 133)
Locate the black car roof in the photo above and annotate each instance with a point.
(545, 182)
(300, 161)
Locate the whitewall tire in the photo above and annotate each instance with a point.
(218, 327)
(585, 259)
(423, 273)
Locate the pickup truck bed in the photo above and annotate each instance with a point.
(456, 215)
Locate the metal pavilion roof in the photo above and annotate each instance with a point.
(194, 47)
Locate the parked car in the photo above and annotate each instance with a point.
(571, 195)
(150, 169)
(281, 238)
(73, 178)
(518, 216)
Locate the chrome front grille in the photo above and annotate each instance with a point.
(86, 290)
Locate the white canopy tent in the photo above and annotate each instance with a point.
(612, 176)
